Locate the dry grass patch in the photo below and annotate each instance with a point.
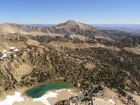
(21, 70)
(32, 42)
(135, 50)
(90, 65)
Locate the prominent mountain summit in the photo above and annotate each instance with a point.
(78, 30)
(73, 24)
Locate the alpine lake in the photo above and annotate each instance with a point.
(39, 91)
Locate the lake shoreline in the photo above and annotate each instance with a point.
(50, 96)
(44, 99)
(23, 89)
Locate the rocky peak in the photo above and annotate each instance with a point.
(71, 22)
(74, 24)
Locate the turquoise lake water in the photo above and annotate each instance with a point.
(39, 91)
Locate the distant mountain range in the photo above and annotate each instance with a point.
(70, 29)
(135, 28)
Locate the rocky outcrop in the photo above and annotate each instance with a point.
(88, 97)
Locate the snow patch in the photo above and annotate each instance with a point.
(12, 47)
(4, 51)
(14, 55)
(3, 54)
(44, 98)
(69, 90)
(11, 99)
(16, 49)
(60, 90)
(111, 101)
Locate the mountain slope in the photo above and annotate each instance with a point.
(8, 28)
(28, 63)
(51, 63)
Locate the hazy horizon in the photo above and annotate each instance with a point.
(77, 21)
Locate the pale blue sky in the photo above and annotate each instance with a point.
(58, 11)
